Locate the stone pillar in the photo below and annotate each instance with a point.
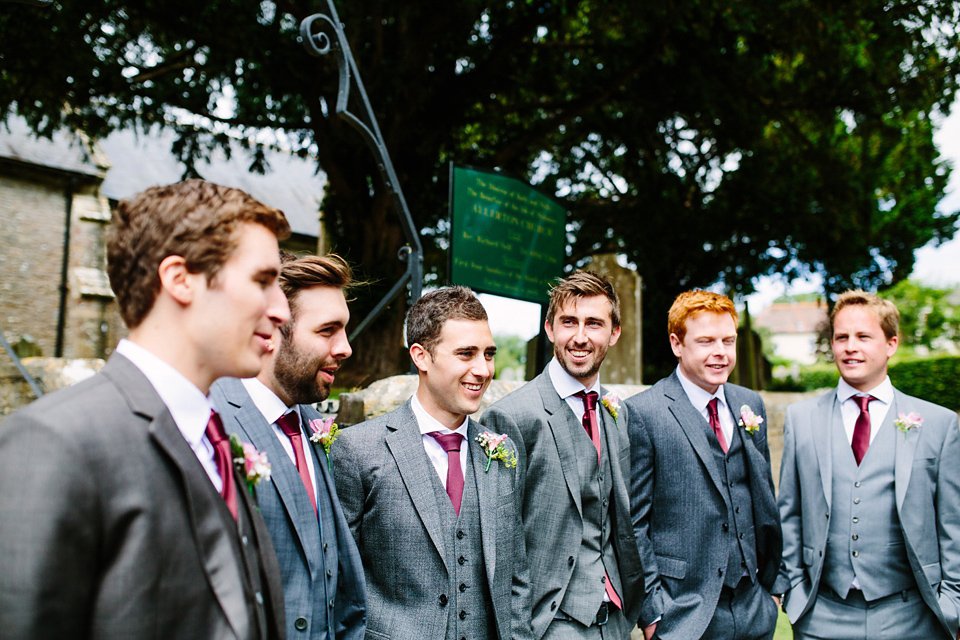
(624, 362)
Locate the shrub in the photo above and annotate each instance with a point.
(934, 379)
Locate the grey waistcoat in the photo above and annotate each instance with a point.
(742, 541)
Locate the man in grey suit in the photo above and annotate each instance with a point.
(870, 496)
(122, 515)
(323, 586)
(432, 501)
(704, 511)
(573, 455)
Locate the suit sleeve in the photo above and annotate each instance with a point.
(50, 529)
(521, 601)
(496, 420)
(642, 460)
(348, 479)
(789, 503)
(948, 525)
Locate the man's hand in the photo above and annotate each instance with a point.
(652, 629)
(779, 601)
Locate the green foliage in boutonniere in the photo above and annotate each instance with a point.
(493, 446)
(325, 434)
(907, 421)
(749, 420)
(612, 404)
(251, 464)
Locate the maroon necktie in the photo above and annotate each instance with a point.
(715, 423)
(224, 460)
(861, 429)
(289, 423)
(590, 417)
(451, 444)
(593, 430)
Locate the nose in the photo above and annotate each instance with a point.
(481, 367)
(341, 347)
(278, 310)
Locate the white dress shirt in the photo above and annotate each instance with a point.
(700, 398)
(271, 408)
(436, 453)
(566, 385)
(187, 404)
(850, 410)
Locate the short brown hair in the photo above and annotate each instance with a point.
(193, 219)
(428, 314)
(690, 303)
(583, 284)
(887, 313)
(306, 272)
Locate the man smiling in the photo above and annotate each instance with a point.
(432, 504)
(704, 512)
(574, 454)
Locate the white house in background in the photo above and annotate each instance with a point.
(793, 328)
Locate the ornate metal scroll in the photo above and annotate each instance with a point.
(322, 34)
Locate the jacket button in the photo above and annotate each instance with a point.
(741, 536)
(300, 624)
(725, 526)
(329, 573)
(463, 587)
(720, 572)
(460, 535)
(443, 599)
(463, 615)
(461, 560)
(856, 537)
(553, 606)
(856, 501)
(856, 554)
(570, 561)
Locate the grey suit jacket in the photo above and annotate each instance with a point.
(679, 508)
(110, 527)
(537, 419)
(927, 488)
(382, 474)
(295, 528)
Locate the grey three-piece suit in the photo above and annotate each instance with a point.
(893, 521)
(431, 574)
(111, 528)
(323, 584)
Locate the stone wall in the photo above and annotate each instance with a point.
(50, 374)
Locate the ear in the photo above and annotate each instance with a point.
(675, 344)
(419, 356)
(176, 280)
(892, 345)
(549, 329)
(614, 336)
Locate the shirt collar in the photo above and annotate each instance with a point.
(187, 404)
(698, 396)
(429, 424)
(564, 383)
(882, 392)
(266, 401)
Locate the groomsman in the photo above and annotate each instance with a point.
(122, 514)
(704, 511)
(574, 454)
(870, 495)
(322, 576)
(431, 499)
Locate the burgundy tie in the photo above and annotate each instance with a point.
(715, 423)
(590, 426)
(861, 429)
(590, 417)
(451, 444)
(289, 423)
(224, 460)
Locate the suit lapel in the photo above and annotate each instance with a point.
(693, 425)
(905, 446)
(823, 423)
(405, 443)
(487, 482)
(561, 420)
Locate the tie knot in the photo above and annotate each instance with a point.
(713, 408)
(289, 423)
(589, 399)
(215, 432)
(449, 441)
(863, 401)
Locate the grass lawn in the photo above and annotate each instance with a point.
(783, 632)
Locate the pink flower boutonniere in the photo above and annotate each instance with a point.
(324, 433)
(749, 420)
(907, 421)
(493, 446)
(250, 463)
(612, 404)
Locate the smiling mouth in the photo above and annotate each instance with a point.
(471, 386)
(577, 353)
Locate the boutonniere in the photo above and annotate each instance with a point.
(907, 421)
(749, 420)
(250, 463)
(493, 446)
(324, 433)
(612, 404)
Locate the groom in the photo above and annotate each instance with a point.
(870, 495)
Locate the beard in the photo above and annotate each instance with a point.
(588, 369)
(296, 372)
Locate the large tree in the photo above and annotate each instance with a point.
(706, 140)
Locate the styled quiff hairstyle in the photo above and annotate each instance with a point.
(307, 272)
(583, 284)
(194, 219)
(428, 314)
(690, 303)
(887, 314)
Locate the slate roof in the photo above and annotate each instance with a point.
(66, 151)
(792, 317)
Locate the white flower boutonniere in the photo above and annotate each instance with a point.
(493, 446)
(749, 420)
(324, 433)
(612, 404)
(250, 463)
(907, 421)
